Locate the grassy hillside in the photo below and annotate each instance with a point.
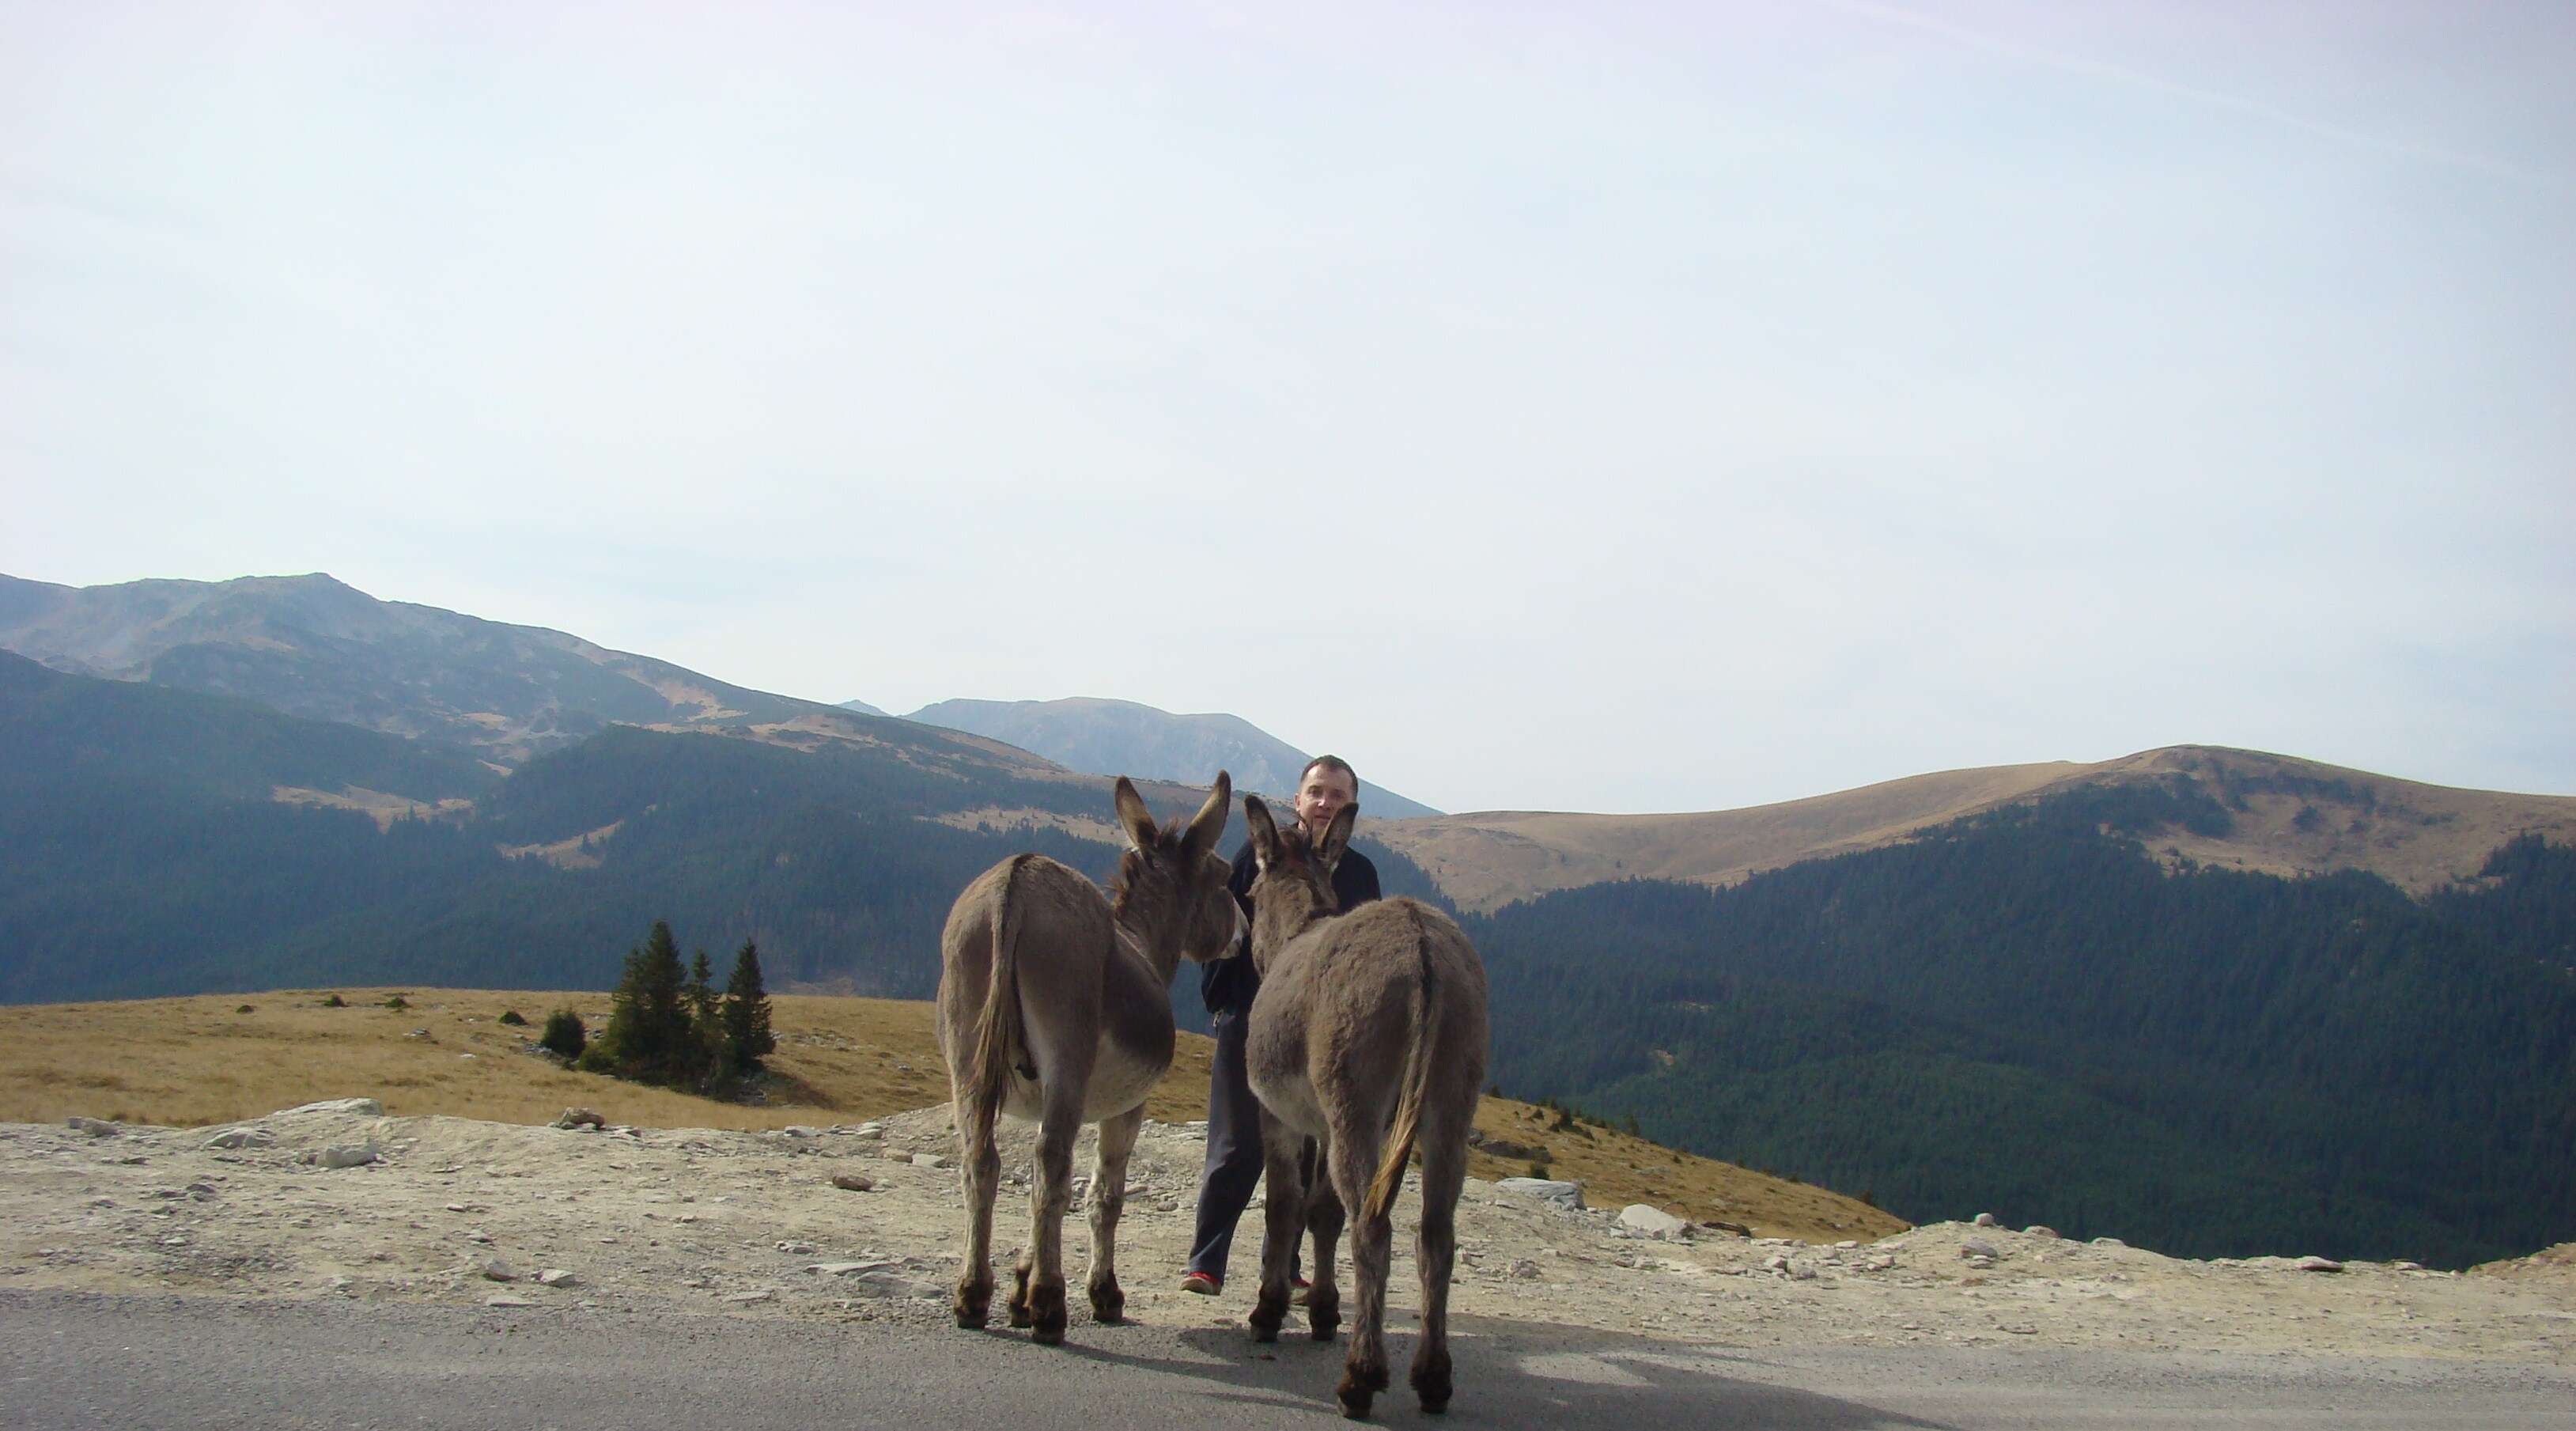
(2282, 816)
(2031, 1012)
(198, 1061)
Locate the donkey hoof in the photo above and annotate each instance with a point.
(1108, 1305)
(1020, 1314)
(973, 1306)
(1431, 1383)
(1046, 1314)
(1355, 1396)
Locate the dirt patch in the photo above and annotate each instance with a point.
(756, 1224)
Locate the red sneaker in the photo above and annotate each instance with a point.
(1298, 1288)
(1201, 1283)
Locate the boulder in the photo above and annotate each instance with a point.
(95, 1127)
(1563, 1194)
(352, 1156)
(578, 1118)
(364, 1107)
(240, 1138)
(1484, 1142)
(1649, 1221)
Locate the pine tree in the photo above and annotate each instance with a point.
(648, 1019)
(746, 1011)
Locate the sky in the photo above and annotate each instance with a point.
(1615, 407)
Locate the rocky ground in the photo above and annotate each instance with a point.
(860, 1222)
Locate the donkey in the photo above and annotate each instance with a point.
(1368, 1034)
(1055, 1004)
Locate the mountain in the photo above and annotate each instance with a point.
(2036, 1012)
(1108, 737)
(313, 646)
(2286, 816)
(164, 841)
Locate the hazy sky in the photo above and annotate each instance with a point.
(1619, 407)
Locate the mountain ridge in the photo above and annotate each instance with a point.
(2291, 816)
(1106, 736)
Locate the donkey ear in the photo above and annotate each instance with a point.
(1134, 820)
(1337, 837)
(1264, 832)
(1209, 822)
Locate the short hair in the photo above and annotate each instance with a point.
(1338, 766)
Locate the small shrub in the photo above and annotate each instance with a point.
(241, 1008)
(397, 1002)
(1538, 1168)
(511, 1017)
(565, 1034)
(335, 1002)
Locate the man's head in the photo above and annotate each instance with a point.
(1327, 784)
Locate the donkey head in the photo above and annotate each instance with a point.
(1294, 884)
(1170, 891)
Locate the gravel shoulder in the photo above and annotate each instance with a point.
(459, 1212)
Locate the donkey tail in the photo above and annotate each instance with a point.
(997, 1028)
(1408, 1108)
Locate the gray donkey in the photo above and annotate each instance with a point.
(1055, 1004)
(1368, 1034)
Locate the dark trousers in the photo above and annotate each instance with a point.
(1234, 1157)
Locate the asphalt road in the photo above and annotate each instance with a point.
(77, 1360)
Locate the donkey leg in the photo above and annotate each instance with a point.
(1050, 1197)
(1107, 1200)
(1282, 1219)
(1324, 1217)
(1435, 1249)
(1020, 1289)
(980, 1175)
(1353, 1158)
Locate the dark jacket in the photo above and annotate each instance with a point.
(1228, 984)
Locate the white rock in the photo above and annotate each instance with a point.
(930, 1160)
(367, 1107)
(240, 1138)
(2319, 1264)
(497, 1270)
(1975, 1248)
(1987, 1219)
(746, 1298)
(795, 1249)
(2108, 1242)
(1650, 1221)
(848, 1269)
(556, 1277)
(508, 1299)
(886, 1282)
(95, 1127)
(2036, 1230)
(351, 1156)
(1561, 1193)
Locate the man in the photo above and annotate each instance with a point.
(1234, 1158)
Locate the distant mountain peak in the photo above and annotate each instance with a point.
(1101, 735)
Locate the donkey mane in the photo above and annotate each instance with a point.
(1131, 861)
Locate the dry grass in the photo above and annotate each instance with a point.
(198, 1061)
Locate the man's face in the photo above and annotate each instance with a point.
(1323, 796)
